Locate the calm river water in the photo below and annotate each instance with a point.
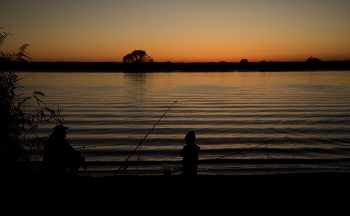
(245, 122)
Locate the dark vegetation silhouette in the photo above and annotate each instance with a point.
(174, 66)
(244, 61)
(137, 56)
(313, 60)
(21, 55)
(20, 145)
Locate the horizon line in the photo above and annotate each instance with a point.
(186, 61)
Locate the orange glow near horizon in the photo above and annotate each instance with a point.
(188, 53)
(200, 55)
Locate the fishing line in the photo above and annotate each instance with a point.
(177, 153)
(125, 162)
(250, 148)
(138, 159)
(268, 157)
(240, 151)
(97, 146)
(84, 159)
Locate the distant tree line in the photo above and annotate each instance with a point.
(140, 61)
(170, 66)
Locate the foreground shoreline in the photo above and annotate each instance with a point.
(270, 194)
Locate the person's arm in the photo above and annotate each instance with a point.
(73, 153)
(182, 152)
(81, 158)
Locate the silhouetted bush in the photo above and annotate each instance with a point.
(19, 143)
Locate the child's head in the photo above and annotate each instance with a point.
(190, 137)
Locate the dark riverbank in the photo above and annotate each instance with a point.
(281, 194)
(169, 67)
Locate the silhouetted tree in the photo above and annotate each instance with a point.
(137, 56)
(243, 61)
(313, 60)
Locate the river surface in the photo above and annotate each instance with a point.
(245, 122)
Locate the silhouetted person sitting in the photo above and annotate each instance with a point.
(59, 157)
(189, 154)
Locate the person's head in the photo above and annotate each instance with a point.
(190, 137)
(60, 130)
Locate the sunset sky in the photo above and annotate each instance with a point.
(181, 30)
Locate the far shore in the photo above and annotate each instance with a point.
(270, 194)
(173, 66)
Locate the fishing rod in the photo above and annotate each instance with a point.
(125, 162)
(268, 156)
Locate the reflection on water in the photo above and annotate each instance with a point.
(245, 121)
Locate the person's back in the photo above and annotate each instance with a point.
(190, 159)
(59, 158)
(55, 155)
(189, 155)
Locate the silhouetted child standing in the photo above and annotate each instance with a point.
(189, 154)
